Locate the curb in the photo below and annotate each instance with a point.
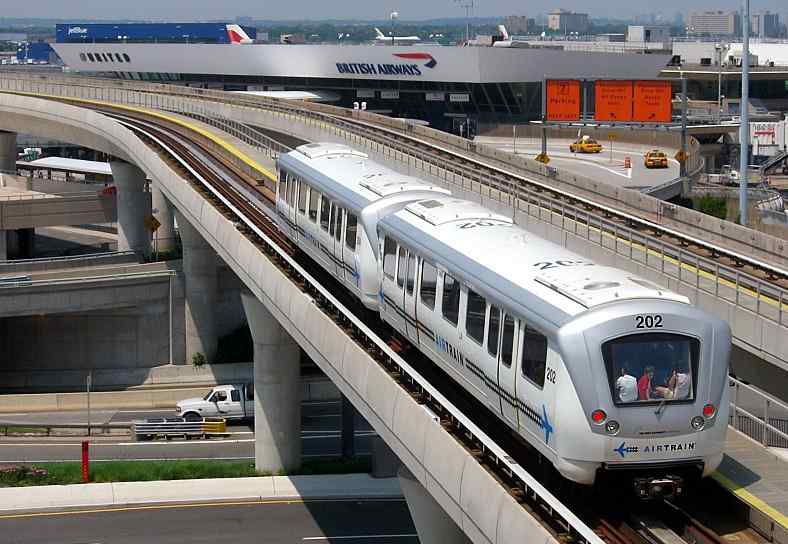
(43, 499)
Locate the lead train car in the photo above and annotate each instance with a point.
(596, 368)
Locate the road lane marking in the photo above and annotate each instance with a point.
(252, 502)
(358, 537)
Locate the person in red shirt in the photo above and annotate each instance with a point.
(644, 384)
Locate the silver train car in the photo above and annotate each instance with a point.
(600, 370)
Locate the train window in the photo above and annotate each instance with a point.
(507, 341)
(292, 190)
(82, 57)
(302, 198)
(493, 329)
(126, 57)
(325, 210)
(410, 280)
(474, 316)
(652, 367)
(350, 231)
(283, 186)
(450, 305)
(314, 204)
(534, 356)
(429, 284)
(389, 258)
(333, 221)
(338, 224)
(235, 395)
(403, 254)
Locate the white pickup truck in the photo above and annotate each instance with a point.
(234, 401)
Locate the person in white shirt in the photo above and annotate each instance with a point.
(680, 383)
(626, 387)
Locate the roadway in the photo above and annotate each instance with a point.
(274, 522)
(320, 437)
(596, 166)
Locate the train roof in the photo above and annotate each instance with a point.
(349, 175)
(502, 261)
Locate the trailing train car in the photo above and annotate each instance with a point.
(598, 369)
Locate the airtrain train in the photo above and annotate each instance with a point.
(598, 369)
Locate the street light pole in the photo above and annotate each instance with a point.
(744, 129)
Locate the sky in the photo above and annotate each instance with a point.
(348, 9)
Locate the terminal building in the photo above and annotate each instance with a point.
(442, 85)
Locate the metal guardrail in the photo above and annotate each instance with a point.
(69, 258)
(27, 281)
(48, 427)
(743, 290)
(43, 196)
(769, 431)
(178, 426)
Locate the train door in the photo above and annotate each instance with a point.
(300, 215)
(446, 321)
(537, 409)
(325, 242)
(409, 298)
(507, 371)
(337, 216)
(390, 294)
(292, 197)
(352, 273)
(477, 363)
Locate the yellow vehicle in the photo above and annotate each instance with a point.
(585, 144)
(655, 159)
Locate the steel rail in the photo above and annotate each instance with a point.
(530, 486)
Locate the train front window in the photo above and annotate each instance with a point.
(652, 368)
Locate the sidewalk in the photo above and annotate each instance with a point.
(341, 486)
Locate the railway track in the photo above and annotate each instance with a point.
(221, 183)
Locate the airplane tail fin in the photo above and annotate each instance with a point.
(238, 34)
(379, 33)
(504, 33)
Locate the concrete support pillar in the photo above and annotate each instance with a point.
(134, 205)
(200, 290)
(164, 237)
(433, 524)
(277, 391)
(8, 151)
(348, 429)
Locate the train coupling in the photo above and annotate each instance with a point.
(667, 487)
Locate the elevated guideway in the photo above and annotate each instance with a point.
(364, 368)
(448, 471)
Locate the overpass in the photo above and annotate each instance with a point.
(363, 367)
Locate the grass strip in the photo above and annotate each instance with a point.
(146, 471)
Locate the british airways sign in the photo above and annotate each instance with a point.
(390, 69)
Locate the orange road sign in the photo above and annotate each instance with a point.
(613, 101)
(563, 100)
(652, 102)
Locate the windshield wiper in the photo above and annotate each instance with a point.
(661, 406)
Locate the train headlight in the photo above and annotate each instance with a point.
(709, 410)
(598, 417)
(612, 427)
(698, 422)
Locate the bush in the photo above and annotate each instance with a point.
(198, 359)
(714, 206)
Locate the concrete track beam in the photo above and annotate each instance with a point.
(277, 398)
(200, 281)
(134, 205)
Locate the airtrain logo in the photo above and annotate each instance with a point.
(77, 30)
(389, 69)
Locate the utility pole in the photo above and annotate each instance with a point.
(744, 129)
(468, 5)
(683, 164)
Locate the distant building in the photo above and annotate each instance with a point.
(765, 24)
(648, 33)
(567, 21)
(716, 23)
(518, 24)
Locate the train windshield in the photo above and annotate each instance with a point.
(652, 368)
